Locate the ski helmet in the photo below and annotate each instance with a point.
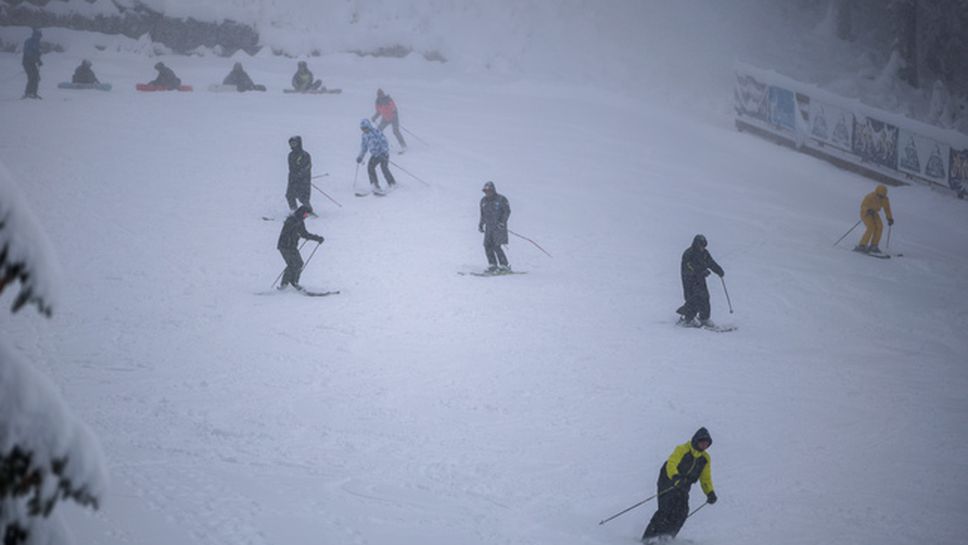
(699, 241)
(489, 186)
(295, 142)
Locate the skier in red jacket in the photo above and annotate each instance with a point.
(387, 110)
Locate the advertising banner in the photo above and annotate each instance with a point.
(751, 98)
(831, 125)
(875, 142)
(958, 176)
(923, 156)
(783, 109)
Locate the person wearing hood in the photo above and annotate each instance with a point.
(293, 229)
(166, 78)
(241, 80)
(303, 80)
(689, 462)
(495, 211)
(374, 142)
(84, 74)
(870, 209)
(696, 264)
(31, 62)
(300, 173)
(386, 109)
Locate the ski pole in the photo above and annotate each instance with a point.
(321, 175)
(727, 295)
(620, 513)
(889, 237)
(536, 245)
(325, 195)
(284, 270)
(355, 176)
(318, 244)
(848, 232)
(424, 142)
(696, 510)
(412, 175)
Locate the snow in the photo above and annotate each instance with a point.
(423, 406)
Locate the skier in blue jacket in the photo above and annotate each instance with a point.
(31, 60)
(374, 142)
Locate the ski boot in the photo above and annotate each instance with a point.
(504, 269)
(873, 250)
(707, 323)
(861, 249)
(491, 270)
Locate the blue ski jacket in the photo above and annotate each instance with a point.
(372, 141)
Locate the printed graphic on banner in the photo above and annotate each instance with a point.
(923, 156)
(831, 125)
(958, 175)
(782, 109)
(751, 98)
(876, 142)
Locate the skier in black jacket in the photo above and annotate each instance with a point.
(696, 263)
(31, 61)
(495, 211)
(293, 229)
(300, 173)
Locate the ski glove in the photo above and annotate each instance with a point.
(480, 227)
(711, 498)
(359, 159)
(318, 238)
(890, 221)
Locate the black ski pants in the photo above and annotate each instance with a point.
(33, 78)
(294, 266)
(396, 129)
(381, 160)
(697, 299)
(492, 247)
(671, 514)
(299, 191)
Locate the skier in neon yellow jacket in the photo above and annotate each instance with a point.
(688, 463)
(870, 209)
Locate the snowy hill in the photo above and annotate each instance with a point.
(419, 406)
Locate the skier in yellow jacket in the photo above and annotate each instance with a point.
(688, 463)
(870, 209)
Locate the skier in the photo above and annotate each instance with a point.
(166, 78)
(870, 209)
(84, 74)
(303, 81)
(495, 211)
(696, 263)
(293, 229)
(688, 463)
(31, 62)
(374, 142)
(241, 80)
(300, 173)
(387, 110)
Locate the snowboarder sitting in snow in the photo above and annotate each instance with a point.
(495, 211)
(688, 463)
(166, 78)
(241, 80)
(293, 229)
(387, 110)
(870, 209)
(300, 173)
(374, 142)
(84, 74)
(696, 263)
(303, 81)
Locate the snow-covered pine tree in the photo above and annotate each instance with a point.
(46, 454)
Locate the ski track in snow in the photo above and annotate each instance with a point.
(422, 406)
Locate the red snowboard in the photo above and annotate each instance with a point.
(150, 87)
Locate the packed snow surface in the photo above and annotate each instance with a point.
(420, 406)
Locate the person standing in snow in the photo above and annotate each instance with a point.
(293, 229)
(83, 74)
(688, 463)
(696, 263)
(374, 142)
(166, 78)
(495, 211)
(300, 173)
(31, 62)
(870, 209)
(303, 80)
(386, 109)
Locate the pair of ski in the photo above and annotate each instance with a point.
(879, 255)
(378, 192)
(713, 328)
(307, 293)
(485, 273)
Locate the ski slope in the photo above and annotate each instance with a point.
(420, 406)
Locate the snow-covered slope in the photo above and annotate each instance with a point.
(419, 406)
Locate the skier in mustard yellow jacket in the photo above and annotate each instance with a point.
(688, 463)
(870, 209)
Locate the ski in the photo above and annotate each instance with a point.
(720, 328)
(485, 273)
(367, 194)
(318, 293)
(267, 218)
